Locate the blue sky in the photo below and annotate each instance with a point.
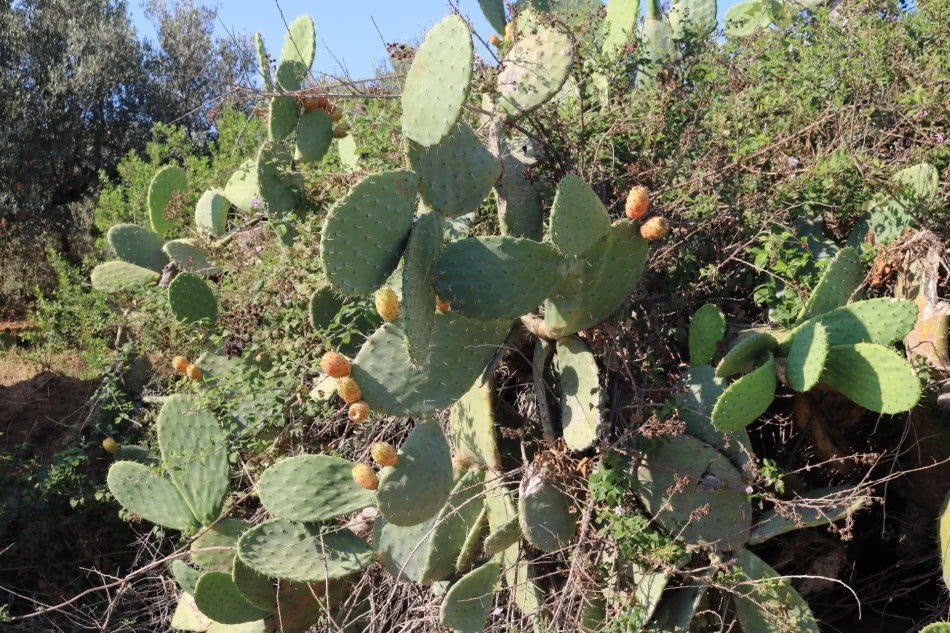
(345, 30)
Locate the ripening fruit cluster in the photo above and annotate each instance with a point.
(637, 205)
(384, 454)
(181, 366)
(337, 366)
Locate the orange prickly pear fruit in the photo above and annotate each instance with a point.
(194, 372)
(442, 306)
(110, 445)
(365, 476)
(387, 303)
(494, 40)
(384, 454)
(510, 31)
(638, 202)
(655, 228)
(180, 364)
(335, 365)
(348, 390)
(359, 411)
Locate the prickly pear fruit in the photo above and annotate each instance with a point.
(312, 103)
(442, 306)
(654, 228)
(341, 130)
(180, 364)
(384, 454)
(494, 40)
(110, 445)
(510, 31)
(348, 390)
(638, 202)
(358, 412)
(193, 372)
(387, 303)
(335, 365)
(365, 476)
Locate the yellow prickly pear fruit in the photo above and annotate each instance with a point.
(348, 390)
(365, 476)
(384, 454)
(193, 372)
(638, 202)
(180, 364)
(442, 306)
(110, 445)
(335, 365)
(387, 303)
(510, 31)
(494, 40)
(359, 411)
(654, 228)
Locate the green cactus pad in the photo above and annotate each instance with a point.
(746, 399)
(649, 586)
(349, 156)
(404, 551)
(461, 348)
(578, 218)
(521, 578)
(191, 300)
(692, 16)
(117, 276)
(534, 69)
(185, 575)
(301, 605)
(767, 607)
(599, 282)
(418, 291)
(282, 117)
(296, 56)
(195, 453)
(817, 507)
(806, 358)
(467, 604)
(936, 627)
(705, 331)
(503, 523)
(455, 520)
(838, 282)
(260, 626)
(256, 588)
(438, 82)
(711, 480)
(303, 552)
(472, 422)
(544, 512)
(189, 258)
(324, 306)
(581, 396)
(312, 488)
(314, 135)
(218, 598)
(137, 245)
(455, 175)
(211, 213)
(242, 188)
(677, 608)
(697, 393)
(747, 353)
(215, 549)
(279, 187)
(187, 617)
(872, 376)
(365, 232)
(497, 277)
(145, 492)
(620, 24)
(168, 181)
(263, 62)
(518, 201)
(494, 11)
(472, 546)
(138, 454)
(420, 483)
(883, 321)
(922, 182)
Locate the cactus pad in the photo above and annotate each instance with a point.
(324, 306)
(581, 396)
(692, 16)
(472, 546)
(461, 348)
(705, 331)
(137, 245)
(189, 258)
(746, 18)
(263, 62)
(578, 218)
(697, 393)
(187, 617)
(116, 276)
(218, 598)
(838, 282)
(518, 201)
(710, 480)
(191, 300)
(185, 575)
(494, 11)
(769, 606)
(349, 156)
(214, 550)
(746, 353)
(140, 454)
(145, 492)
(419, 484)
(473, 426)
(452, 526)
(455, 175)
(404, 551)
(883, 321)
(872, 376)
(599, 282)
(365, 231)
(497, 277)
(746, 399)
(467, 604)
(544, 511)
(256, 588)
(503, 524)
(296, 56)
(279, 188)
(211, 212)
(242, 188)
(677, 608)
(837, 504)
(303, 552)
(806, 358)
(438, 82)
(312, 488)
(534, 70)
(167, 182)
(195, 453)
(418, 292)
(314, 135)
(620, 24)
(282, 117)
